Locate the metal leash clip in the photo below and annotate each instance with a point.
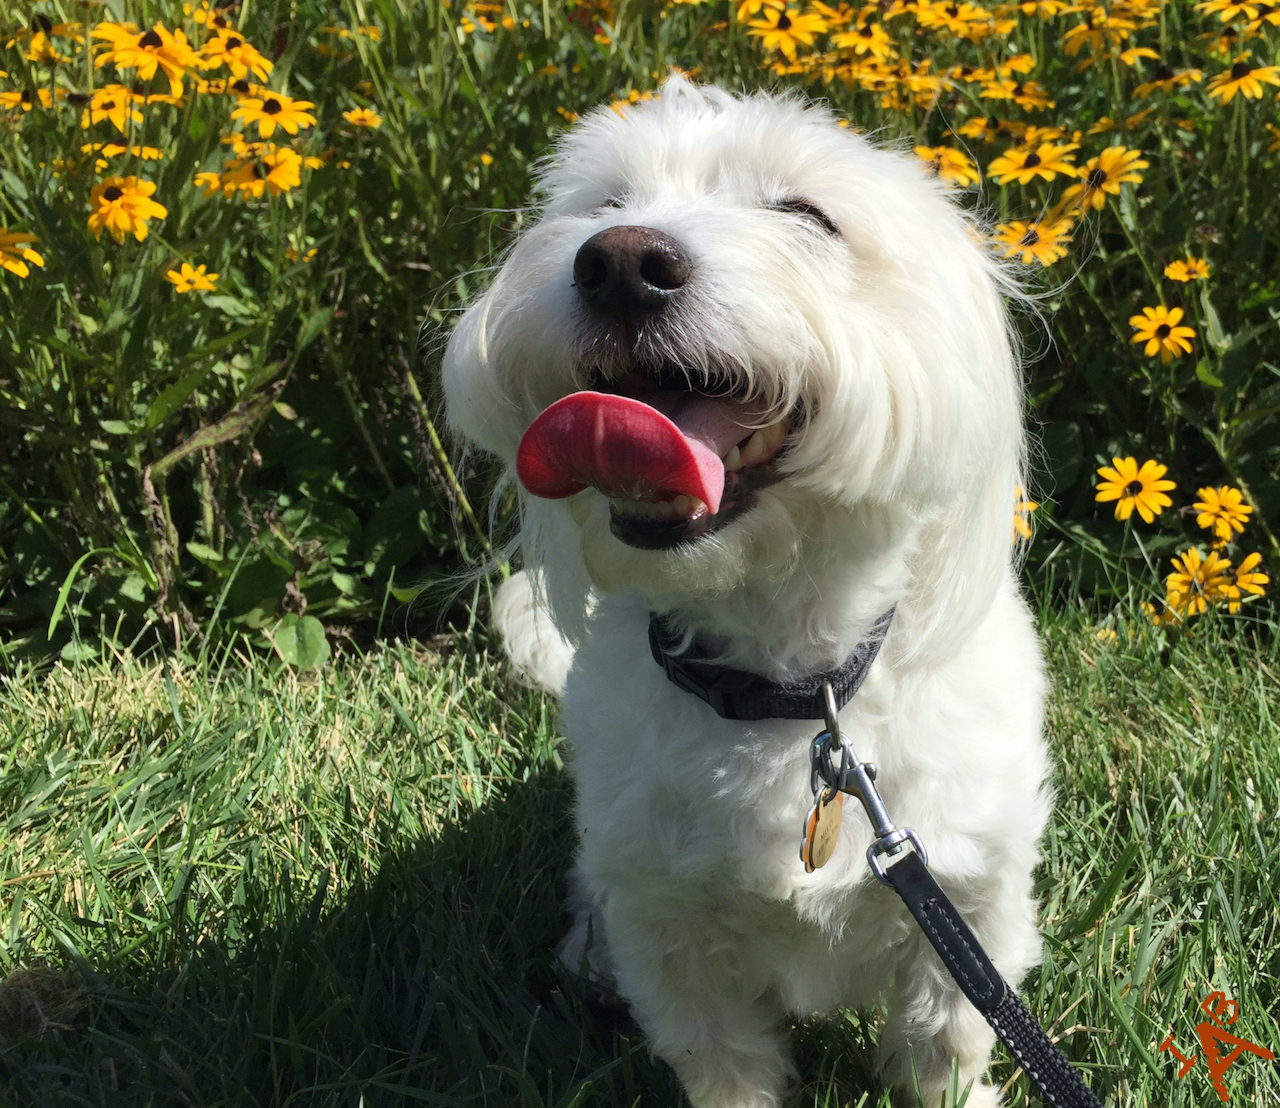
(854, 778)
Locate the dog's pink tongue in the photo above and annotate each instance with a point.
(629, 449)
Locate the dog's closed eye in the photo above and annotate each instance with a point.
(810, 211)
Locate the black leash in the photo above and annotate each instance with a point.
(738, 694)
(944, 927)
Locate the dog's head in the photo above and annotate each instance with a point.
(738, 334)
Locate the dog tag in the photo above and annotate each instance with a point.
(821, 829)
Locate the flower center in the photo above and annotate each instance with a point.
(1133, 488)
(784, 21)
(1017, 89)
(1096, 179)
(240, 86)
(1032, 160)
(1164, 73)
(234, 43)
(1030, 238)
(111, 193)
(953, 11)
(150, 40)
(1240, 70)
(272, 106)
(108, 105)
(1162, 332)
(866, 31)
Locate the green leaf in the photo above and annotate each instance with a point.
(172, 398)
(301, 642)
(115, 427)
(197, 128)
(65, 591)
(228, 305)
(1206, 375)
(1217, 339)
(316, 322)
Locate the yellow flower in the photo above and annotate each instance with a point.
(293, 256)
(1105, 174)
(363, 117)
(188, 278)
(277, 170)
(1197, 582)
(122, 205)
(1131, 487)
(1244, 579)
(230, 49)
(147, 51)
(1026, 94)
(1042, 241)
(1243, 78)
(866, 38)
(15, 253)
(786, 30)
(1158, 328)
(27, 99)
(949, 164)
(275, 110)
(748, 8)
(42, 50)
(991, 128)
(1166, 80)
(1130, 57)
(1221, 511)
(1022, 509)
(1024, 166)
(113, 103)
(210, 182)
(1192, 269)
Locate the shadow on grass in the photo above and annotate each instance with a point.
(431, 981)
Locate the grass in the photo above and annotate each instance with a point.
(228, 884)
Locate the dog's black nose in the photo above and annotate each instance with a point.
(629, 272)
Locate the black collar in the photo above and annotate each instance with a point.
(737, 694)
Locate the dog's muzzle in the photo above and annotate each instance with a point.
(624, 274)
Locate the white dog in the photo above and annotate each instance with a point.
(797, 409)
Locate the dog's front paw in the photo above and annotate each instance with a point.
(584, 951)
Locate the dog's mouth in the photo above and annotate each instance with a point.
(677, 455)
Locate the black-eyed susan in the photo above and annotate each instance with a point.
(1196, 582)
(210, 182)
(949, 164)
(1115, 166)
(1188, 269)
(115, 104)
(990, 128)
(16, 252)
(1221, 511)
(365, 117)
(784, 30)
(1023, 506)
(866, 38)
(275, 110)
(123, 205)
(1024, 165)
(1158, 328)
(1133, 487)
(28, 98)
(147, 51)
(747, 9)
(1166, 79)
(42, 51)
(1044, 240)
(232, 49)
(1246, 578)
(1243, 78)
(188, 277)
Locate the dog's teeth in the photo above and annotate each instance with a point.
(733, 460)
(680, 505)
(755, 450)
(774, 434)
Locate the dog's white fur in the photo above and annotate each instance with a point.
(898, 489)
